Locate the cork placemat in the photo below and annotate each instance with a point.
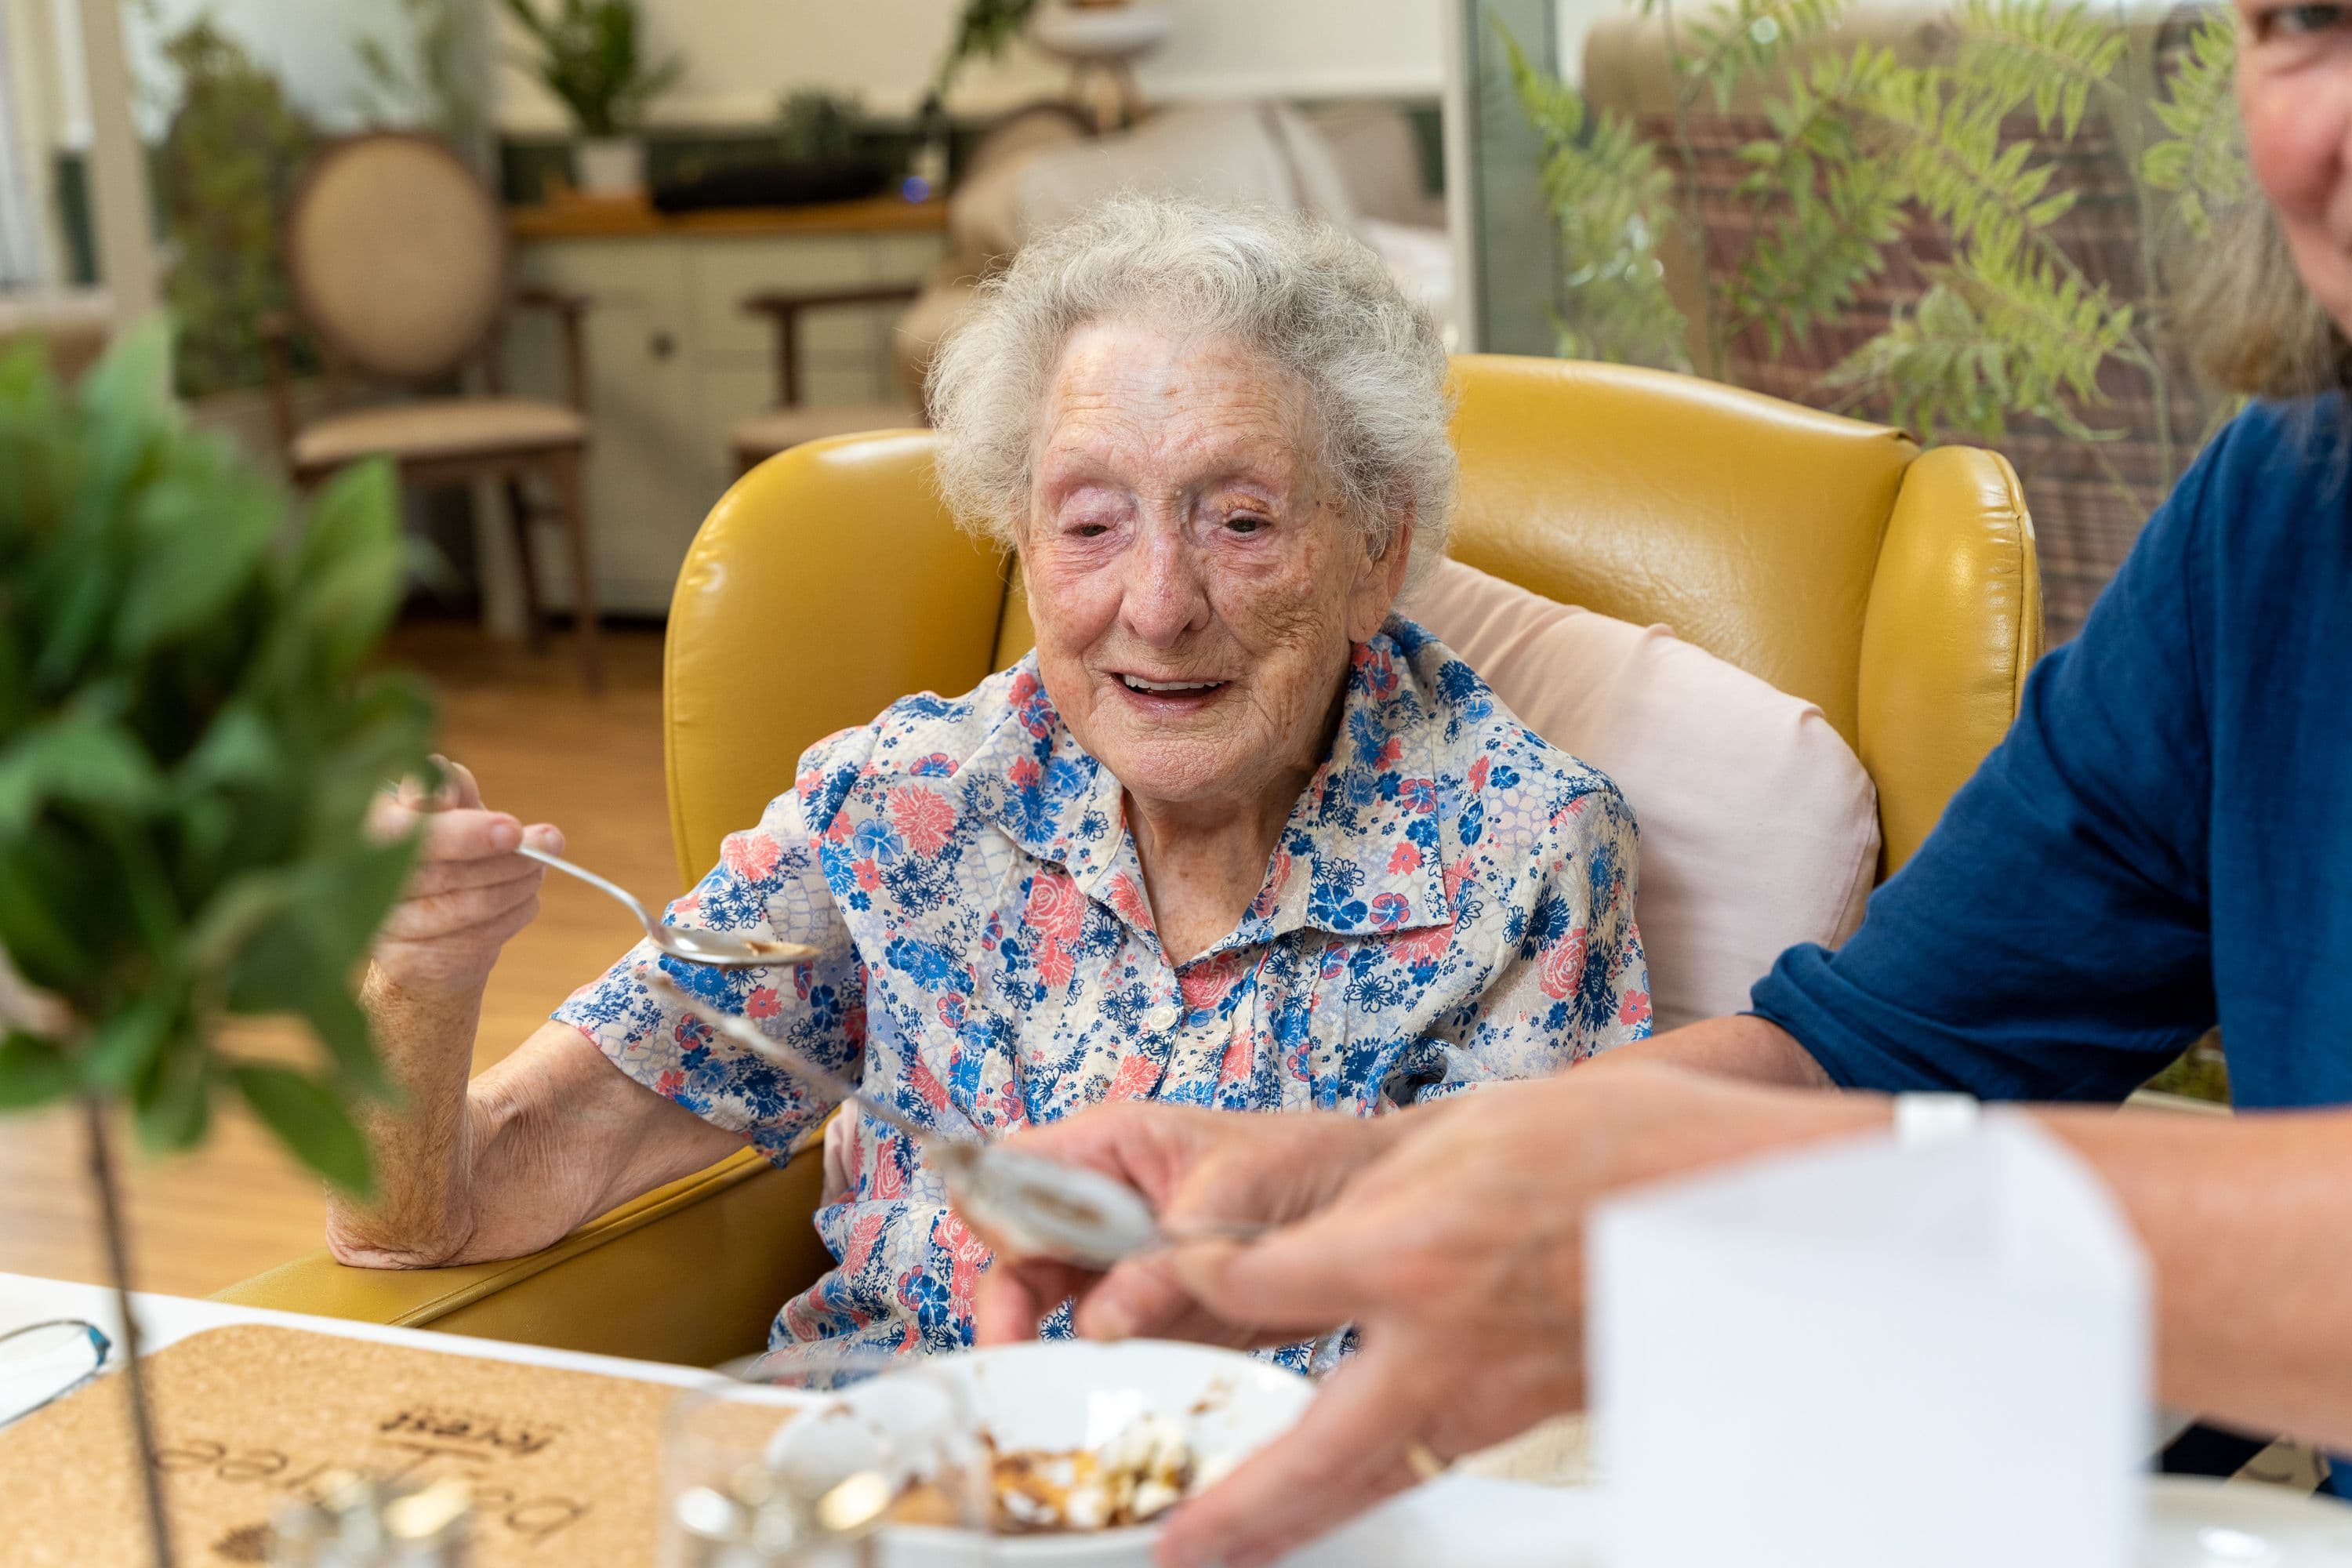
(566, 1466)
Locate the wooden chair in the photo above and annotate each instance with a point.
(397, 253)
(935, 302)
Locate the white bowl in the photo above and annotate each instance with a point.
(1074, 1394)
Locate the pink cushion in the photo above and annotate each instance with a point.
(1759, 826)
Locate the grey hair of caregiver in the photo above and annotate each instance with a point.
(2163, 842)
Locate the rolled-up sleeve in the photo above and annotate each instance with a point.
(770, 882)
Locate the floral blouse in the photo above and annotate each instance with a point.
(1451, 903)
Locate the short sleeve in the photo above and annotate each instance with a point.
(1571, 981)
(770, 882)
(2051, 939)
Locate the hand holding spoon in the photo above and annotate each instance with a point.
(1040, 1208)
(719, 949)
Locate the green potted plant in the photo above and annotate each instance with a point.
(190, 740)
(589, 54)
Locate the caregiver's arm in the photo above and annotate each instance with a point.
(550, 1137)
(2242, 1218)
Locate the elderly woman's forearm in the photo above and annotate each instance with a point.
(2243, 1222)
(420, 1143)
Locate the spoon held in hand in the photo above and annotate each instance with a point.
(719, 949)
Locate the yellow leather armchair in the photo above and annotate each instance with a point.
(1897, 589)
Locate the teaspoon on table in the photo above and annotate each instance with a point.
(721, 949)
(1043, 1206)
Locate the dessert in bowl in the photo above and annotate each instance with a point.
(1079, 1448)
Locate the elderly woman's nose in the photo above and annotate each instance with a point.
(1167, 592)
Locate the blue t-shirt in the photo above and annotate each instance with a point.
(2163, 841)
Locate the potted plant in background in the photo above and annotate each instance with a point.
(589, 54)
(189, 742)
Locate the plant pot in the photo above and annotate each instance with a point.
(608, 165)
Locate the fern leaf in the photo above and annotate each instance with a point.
(1613, 200)
(2053, 56)
(2202, 161)
(1744, 37)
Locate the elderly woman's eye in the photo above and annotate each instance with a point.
(1245, 524)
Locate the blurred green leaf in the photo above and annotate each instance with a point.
(33, 1072)
(197, 542)
(77, 759)
(173, 1100)
(122, 1045)
(308, 1120)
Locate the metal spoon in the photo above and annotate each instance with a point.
(1041, 1207)
(721, 949)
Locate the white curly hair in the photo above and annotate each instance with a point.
(1310, 297)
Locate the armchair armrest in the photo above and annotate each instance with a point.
(785, 307)
(571, 310)
(691, 1273)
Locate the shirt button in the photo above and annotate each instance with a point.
(1163, 1018)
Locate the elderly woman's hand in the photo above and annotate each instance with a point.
(1458, 1252)
(469, 890)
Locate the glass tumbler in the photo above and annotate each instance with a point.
(805, 1456)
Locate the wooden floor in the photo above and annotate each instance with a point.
(543, 750)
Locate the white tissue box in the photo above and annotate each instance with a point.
(1862, 1355)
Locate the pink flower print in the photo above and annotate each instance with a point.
(1418, 795)
(1406, 856)
(1240, 1053)
(1136, 1076)
(686, 904)
(763, 1003)
(923, 818)
(1206, 984)
(1391, 749)
(1025, 773)
(801, 981)
(1055, 964)
(1458, 876)
(1056, 909)
(868, 874)
(1634, 1009)
(926, 1083)
(1129, 900)
(1562, 970)
(751, 855)
(1426, 945)
(951, 1011)
(1389, 911)
(1478, 773)
(1271, 894)
(858, 1251)
(670, 1083)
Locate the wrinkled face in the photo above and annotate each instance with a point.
(1194, 588)
(2294, 91)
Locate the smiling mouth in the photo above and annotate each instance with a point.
(1177, 688)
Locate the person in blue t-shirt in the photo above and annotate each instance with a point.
(2162, 843)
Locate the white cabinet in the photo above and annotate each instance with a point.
(673, 362)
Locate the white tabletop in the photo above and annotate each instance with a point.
(1459, 1521)
(1456, 1522)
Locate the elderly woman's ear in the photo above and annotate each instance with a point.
(1383, 581)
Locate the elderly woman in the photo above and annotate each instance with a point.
(1234, 835)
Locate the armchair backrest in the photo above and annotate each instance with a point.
(1896, 589)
